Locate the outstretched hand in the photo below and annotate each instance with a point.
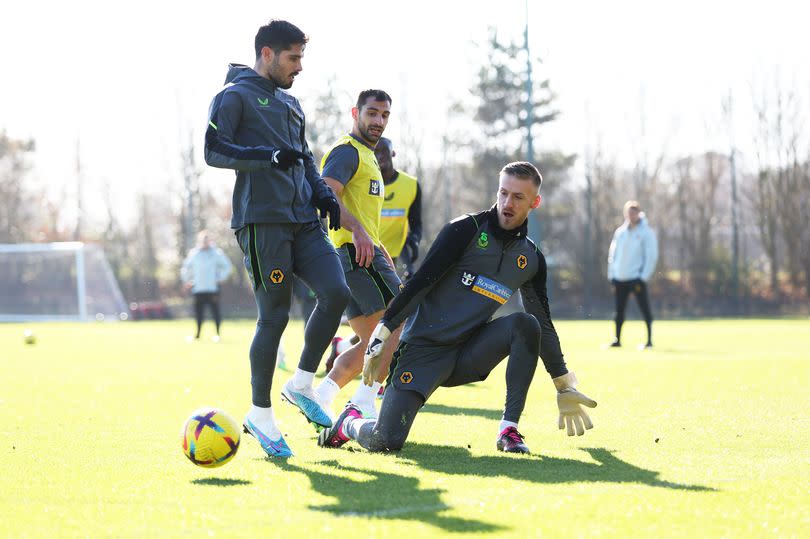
(572, 416)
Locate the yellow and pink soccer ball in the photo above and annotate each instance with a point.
(210, 438)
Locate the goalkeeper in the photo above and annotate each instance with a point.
(472, 268)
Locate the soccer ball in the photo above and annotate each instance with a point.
(210, 438)
(29, 337)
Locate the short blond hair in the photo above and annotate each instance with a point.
(631, 204)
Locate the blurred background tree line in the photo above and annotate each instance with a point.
(733, 229)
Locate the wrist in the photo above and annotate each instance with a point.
(566, 382)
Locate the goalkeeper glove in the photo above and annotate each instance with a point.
(371, 361)
(284, 158)
(569, 401)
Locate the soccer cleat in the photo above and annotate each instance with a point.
(616, 344)
(511, 441)
(307, 403)
(334, 436)
(273, 448)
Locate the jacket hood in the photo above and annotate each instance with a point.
(642, 221)
(240, 72)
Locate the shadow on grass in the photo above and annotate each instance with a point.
(385, 496)
(220, 481)
(607, 469)
(460, 410)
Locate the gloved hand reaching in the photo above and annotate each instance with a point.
(373, 357)
(570, 402)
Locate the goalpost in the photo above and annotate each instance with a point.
(58, 281)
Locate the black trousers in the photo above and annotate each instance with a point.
(516, 336)
(623, 289)
(211, 300)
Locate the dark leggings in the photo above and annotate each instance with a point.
(516, 335)
(200, 301)
(327, 281)
(623, 291)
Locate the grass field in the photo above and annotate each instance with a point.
(706, 435)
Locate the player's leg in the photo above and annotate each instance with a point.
(199, 305)
(350, 363)
(518, 336)
(317, 264)
(372, 289)
(267, 250)
(622, 291)
(387, 433)
(642, 297)
(215, 311)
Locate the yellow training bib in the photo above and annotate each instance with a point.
(362, 195)
(399, 195)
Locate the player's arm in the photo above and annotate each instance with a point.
(611, 265)
(340, 166)
(222, 152)
(323, 197)
(443, 255)
(224, 266)
(650, 255)
(569, 400)
(415, 217)
(535, 301)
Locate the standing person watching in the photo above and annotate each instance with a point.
(631, 261)
(203, 270)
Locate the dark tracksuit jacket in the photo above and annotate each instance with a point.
(471, 269)
(247, 120)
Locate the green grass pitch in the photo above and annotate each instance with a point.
(706, 435)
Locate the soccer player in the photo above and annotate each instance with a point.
(203, 270)
(632, 257)
(257, 129)
(401, 221)
(472, 268)
(351, 170)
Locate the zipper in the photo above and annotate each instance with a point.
(292, 174)
(503, 251)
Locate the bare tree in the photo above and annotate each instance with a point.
(15, 200)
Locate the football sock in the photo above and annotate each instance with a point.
(366, 394)
(505, 425)
(351, 426)
(265, 421)
(302, 379)
(327, 391)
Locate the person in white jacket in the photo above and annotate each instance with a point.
(631, 261)
(205, 267)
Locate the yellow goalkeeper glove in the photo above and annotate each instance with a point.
(371, 361)
(570, 402)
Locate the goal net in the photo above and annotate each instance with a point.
(58, 281)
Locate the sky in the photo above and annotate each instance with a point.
(131, 82)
